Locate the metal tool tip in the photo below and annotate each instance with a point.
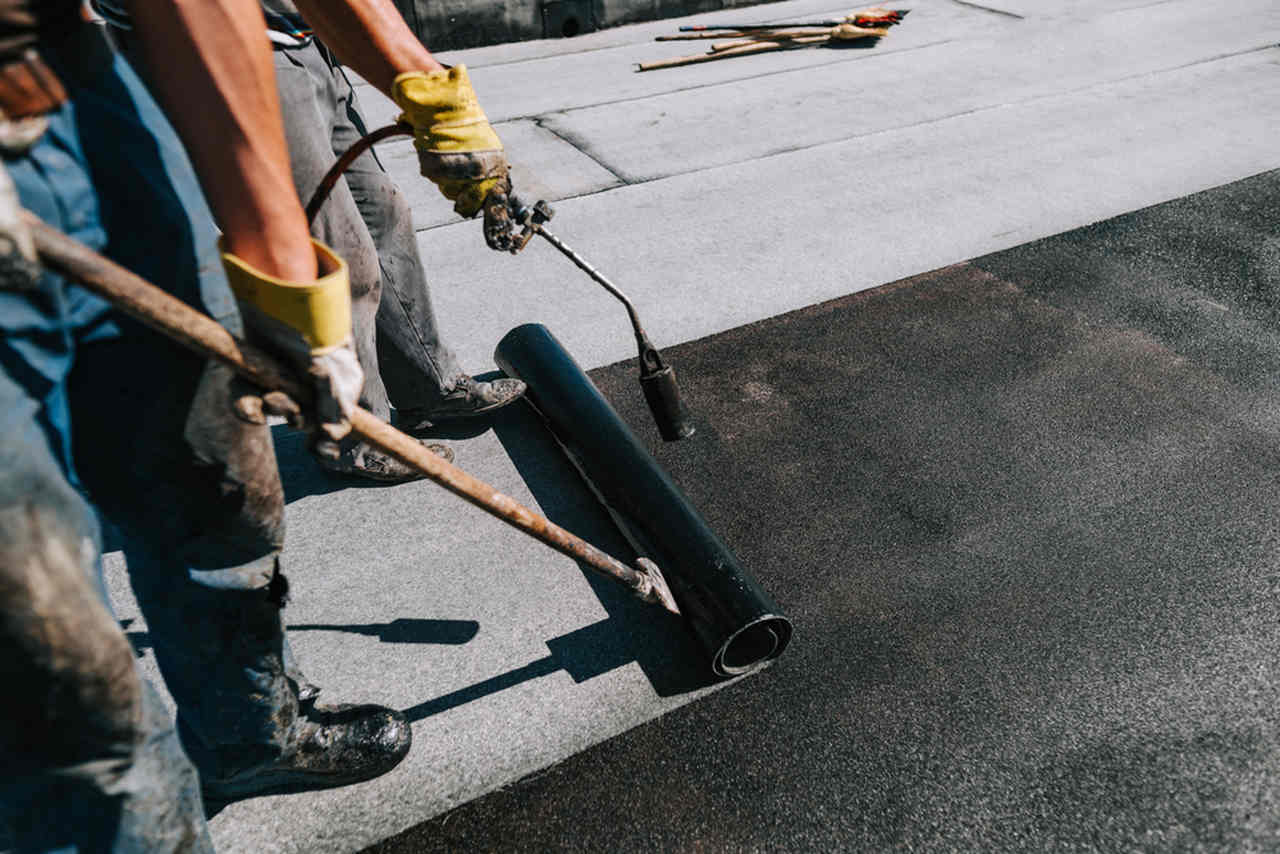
(661, 592)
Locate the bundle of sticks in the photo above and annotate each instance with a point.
(871, 23)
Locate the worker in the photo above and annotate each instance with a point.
(366, 218)
(93, 404)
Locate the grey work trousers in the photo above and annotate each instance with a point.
(368, 222)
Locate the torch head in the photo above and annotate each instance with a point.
(668, 409)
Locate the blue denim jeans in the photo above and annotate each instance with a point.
(96, 408)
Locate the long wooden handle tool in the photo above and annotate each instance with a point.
(721, 47)
(756, 47)
(167, 314)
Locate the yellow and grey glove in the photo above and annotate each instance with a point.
(309, 323)
(19, 268)
(457, 148)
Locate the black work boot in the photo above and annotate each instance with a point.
(220, 642)
(322, 747)
(364, 460)
(326, 747)
(468, 398)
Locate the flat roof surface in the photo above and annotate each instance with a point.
(1022, 511)
(734, 193)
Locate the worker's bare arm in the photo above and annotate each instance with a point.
(370, 36)
(209, 63)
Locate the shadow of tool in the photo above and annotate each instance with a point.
(403, 630)
(584, 654)
(668, 655)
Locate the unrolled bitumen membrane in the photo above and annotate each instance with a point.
(1023, 509)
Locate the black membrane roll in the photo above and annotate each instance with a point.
(732, 616)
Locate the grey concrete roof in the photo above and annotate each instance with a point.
(717, 195)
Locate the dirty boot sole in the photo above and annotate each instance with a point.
(371, 464)
(470, 399)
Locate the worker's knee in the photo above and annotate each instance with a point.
(365, 269)
(342, 227)
(397, 213)
(74, 697)
(236, 502)
(388, 216)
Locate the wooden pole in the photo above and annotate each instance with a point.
(755, 34)
(757, 47)
(172, 317)
(720, 47)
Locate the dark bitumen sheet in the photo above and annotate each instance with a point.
(1023, 512)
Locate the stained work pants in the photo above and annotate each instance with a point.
(93, 404)
(367, 221)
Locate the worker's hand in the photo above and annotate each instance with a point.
(501, 231)
(309, 324)
(457, 148)
(19, 269)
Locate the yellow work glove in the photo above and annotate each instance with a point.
(457, 148)
(309, 323)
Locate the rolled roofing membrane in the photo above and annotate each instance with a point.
(736, 621)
